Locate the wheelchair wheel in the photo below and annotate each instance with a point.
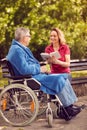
(18, 105)
(42, 104)
(56, 111)
(49, 116)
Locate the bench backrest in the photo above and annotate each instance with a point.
(78, 65)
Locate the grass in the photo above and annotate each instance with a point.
(79, 74)
(3, 81)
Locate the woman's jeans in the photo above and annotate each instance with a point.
(70, 77)
(67, 95)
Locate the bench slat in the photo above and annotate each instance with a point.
(78, 68)
(79, 80)
(78, 65)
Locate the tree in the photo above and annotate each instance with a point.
(40, 16)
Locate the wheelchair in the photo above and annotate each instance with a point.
(21, 101)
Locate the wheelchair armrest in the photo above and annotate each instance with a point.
(17, 77)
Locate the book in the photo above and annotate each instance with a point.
(46, 56)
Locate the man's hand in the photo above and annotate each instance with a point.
(44, 69)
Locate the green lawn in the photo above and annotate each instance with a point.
(79, 74)
(2, 81)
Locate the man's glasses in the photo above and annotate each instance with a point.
(28, 36)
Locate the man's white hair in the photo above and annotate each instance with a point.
(20, 33)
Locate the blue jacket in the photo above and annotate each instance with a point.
(24, 62)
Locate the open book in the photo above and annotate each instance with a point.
(46, 56)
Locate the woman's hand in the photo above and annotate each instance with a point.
(52, 60)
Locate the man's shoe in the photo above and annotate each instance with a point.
(72, 111)
(79, 107)
(75, 112)
(63, 114)
(74, 107)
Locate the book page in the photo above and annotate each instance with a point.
(45, 56)
(56, 54)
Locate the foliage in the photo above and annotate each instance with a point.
(40, 16)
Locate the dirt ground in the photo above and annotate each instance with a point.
(77, 123)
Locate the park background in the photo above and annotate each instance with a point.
(40, 16)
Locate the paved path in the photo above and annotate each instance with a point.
(77, 123)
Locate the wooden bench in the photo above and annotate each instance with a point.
(79, 83)
(77, 65)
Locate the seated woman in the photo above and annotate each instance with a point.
(25, 63)
(58, 44)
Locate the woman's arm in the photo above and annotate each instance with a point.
(65, 63)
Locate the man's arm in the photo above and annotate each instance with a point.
(22, 64)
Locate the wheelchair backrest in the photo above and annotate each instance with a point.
(8, 72)
(7, 69)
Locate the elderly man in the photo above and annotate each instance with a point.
(25, 63)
